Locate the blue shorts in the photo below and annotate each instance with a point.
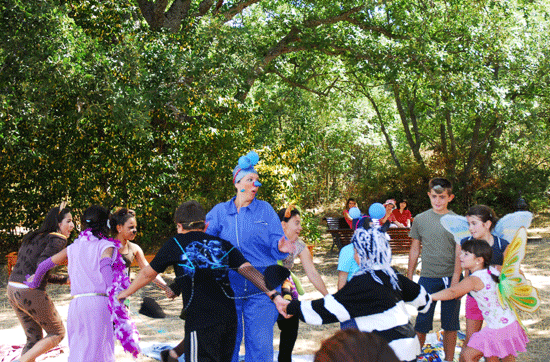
(450, 309)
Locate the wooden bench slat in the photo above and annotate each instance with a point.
(400, 241)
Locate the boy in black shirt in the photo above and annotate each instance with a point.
(201, 263)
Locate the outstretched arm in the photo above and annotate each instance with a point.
(257, 278)
(159, 282)
(145, 276)
(33, 281)
(311, 271)
(342, 279)
(456, 291)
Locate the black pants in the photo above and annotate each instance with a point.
(213, 343)
(289, 333)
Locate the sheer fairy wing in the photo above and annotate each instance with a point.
(514, 290)
(507, 226)
(456, 225)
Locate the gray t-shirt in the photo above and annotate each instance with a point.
(438, 245)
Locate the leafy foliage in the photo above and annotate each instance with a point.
(149, 103)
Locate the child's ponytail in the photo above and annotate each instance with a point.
(96, 218)
(496, 278)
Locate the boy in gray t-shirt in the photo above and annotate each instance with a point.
(440, 263)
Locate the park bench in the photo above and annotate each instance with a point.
(400, 241)
(340, 231)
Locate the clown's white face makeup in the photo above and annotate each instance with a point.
(292, 227)
(127, 231)
(66, 225)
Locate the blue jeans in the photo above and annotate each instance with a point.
(450, 309)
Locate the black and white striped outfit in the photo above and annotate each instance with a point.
(375, 307)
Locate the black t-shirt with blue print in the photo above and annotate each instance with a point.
(201, 263)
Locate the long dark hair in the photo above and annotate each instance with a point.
(120, 217)
(347, 203)
(485, 213)
(49, 225)
(481, 249)
(96, 218)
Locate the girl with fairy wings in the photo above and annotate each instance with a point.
(497, 298)
(481, 223)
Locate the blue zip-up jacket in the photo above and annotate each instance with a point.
(255, 230)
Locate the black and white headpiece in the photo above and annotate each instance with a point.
(373, 248)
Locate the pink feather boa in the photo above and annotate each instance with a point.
(125, 329)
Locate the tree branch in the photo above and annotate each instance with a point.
(238, 8)
(298, 85)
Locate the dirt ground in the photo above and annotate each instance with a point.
(169, 330)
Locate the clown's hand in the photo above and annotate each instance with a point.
(287, 246)
(281, 304)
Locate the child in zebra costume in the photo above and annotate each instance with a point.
(375, 297)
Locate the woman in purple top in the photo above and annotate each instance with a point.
(94, 268)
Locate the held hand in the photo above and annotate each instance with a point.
(287, 246)
(33, 281)
(169, 293)
(30, 281)
(121, 296)
(281, 304)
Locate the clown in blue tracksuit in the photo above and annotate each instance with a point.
(254, 228)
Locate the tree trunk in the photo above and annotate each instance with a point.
(384, 131)
(415, 146)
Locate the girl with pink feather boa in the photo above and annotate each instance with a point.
(96, 271)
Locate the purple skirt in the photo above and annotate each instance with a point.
(90, 330)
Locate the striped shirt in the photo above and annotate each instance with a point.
(375, 308)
